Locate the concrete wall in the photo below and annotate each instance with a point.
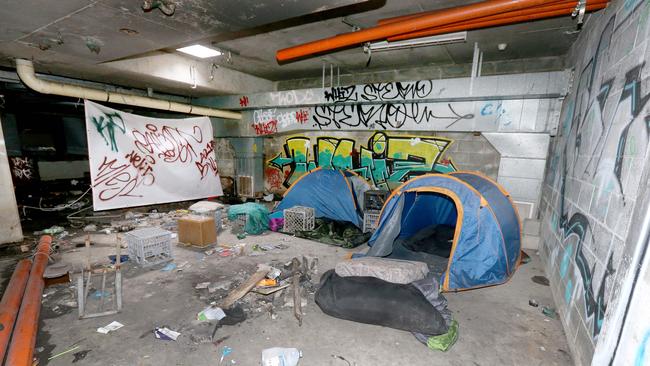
(10, 229)
(375, 155)
(502, 67)
(514, 113)
(591, 191)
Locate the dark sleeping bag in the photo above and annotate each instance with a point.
(373, 301)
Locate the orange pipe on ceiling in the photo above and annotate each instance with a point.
(564, 5)
(381, 32)
(23, 339)
(492, 23)
(411, 16)
(10, 303)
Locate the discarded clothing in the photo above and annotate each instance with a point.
(389, 270)
(441, 342)
(373, 301)
(343, 234)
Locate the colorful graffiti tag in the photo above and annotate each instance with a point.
(386, 161)
(593, 179)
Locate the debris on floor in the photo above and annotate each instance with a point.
(113, 326)
(280, 356)
(166, 334)
(540, 280)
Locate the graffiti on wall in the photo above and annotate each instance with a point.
(595, 171)
(386, 161)
(23, 169)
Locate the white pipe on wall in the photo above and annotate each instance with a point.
(25, 70)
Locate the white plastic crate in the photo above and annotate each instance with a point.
(239, 224)
(149, 246)
(370, 220)
(299, 218)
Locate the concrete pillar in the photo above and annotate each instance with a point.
(10, 229)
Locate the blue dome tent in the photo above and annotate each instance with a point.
(334, 194)
(484, 236)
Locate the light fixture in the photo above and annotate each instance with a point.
(416, 42)
(199, 51)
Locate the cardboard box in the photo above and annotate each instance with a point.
(197, 230)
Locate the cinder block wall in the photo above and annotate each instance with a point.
(594, 172)
(466, 151)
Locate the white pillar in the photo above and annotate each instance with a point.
(10, 229)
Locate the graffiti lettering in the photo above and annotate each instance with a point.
(394, 115)
(266, 128)
(114, 179)
(106, 126)
(206, 162)
(169, 143)
(386, 161)
(302, 116)
(243, 101)
(22, 168)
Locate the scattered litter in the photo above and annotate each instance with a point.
(540, 280)
(211, 313)
(123, 258)
(274, 273)
(183, 265)
(220, 340)
(225, 253)
(109, 328)
(202, 285)
(50, 231)
(525, 258)
(209, 252)
(337, 357)
(533, 303)
(169, 267)
(222, 285)
(63, 353)
(267, 282)
(241, 236)
(90, 228)
(549, 312)
(277, 356)
(542, 348)
(166, 334)
(225, 352)
(78, 356)
(24, 248)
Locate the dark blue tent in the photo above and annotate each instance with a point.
(487, 238)
(334, 194)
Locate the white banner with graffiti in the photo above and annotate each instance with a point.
(137, 160)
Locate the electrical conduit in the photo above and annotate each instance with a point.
(23, 340)
(427, 21)
(25, 69)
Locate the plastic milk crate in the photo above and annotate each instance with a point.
(299, 218)
(149, 246)
(239, 224)
(370, 220)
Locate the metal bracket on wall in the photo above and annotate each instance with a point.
(579, 11)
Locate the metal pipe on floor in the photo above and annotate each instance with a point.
(381, 32)
(23, 340)
(10, 304)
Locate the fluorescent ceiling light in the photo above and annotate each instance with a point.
(417, 42)
(200, 51)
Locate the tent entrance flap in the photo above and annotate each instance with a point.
(428, 229)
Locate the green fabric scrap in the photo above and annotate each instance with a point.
(444, 342)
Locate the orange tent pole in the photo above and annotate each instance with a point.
(10, 303)
(21, 350)
(440, 18)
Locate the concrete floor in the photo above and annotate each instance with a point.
(497, 326)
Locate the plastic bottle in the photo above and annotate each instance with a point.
(278, 356)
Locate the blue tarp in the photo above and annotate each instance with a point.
(488, 241)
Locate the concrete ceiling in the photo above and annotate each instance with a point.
(115, 41)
